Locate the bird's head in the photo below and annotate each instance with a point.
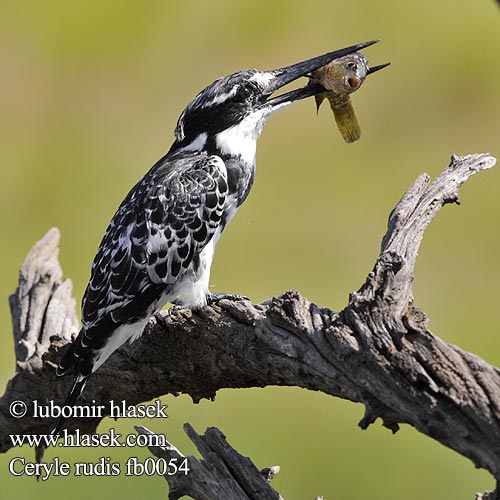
(227, 117)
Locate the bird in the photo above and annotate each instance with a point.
(159, 246)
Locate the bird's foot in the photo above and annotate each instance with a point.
(175, 309)
(215, 297)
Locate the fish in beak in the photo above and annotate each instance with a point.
(278, 78)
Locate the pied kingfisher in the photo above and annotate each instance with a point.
(159, 246)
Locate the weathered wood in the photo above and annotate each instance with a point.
(223, 472)
(378, 350)
(42, 305)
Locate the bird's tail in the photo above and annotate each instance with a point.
(72, 359)
(79, 384)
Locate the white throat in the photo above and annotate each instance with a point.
(241, 140)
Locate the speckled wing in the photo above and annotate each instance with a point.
(157, 233)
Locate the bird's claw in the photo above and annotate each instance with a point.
(175, 309)
(215, 297)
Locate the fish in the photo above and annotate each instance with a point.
(340, 78)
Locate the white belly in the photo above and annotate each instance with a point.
(125, 333)
(191, 290)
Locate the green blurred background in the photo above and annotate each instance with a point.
(90, 93)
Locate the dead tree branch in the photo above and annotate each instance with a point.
(377, 351)
(223, 472)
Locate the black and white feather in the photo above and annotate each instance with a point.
(156, 249)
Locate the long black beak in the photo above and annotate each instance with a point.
(283, 76)
(377, 68)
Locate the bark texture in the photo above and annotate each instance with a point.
(377, 350)
(222, 473)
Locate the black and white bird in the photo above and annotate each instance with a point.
(159, 246)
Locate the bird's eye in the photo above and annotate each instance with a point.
(351, 65)
(244, 92)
